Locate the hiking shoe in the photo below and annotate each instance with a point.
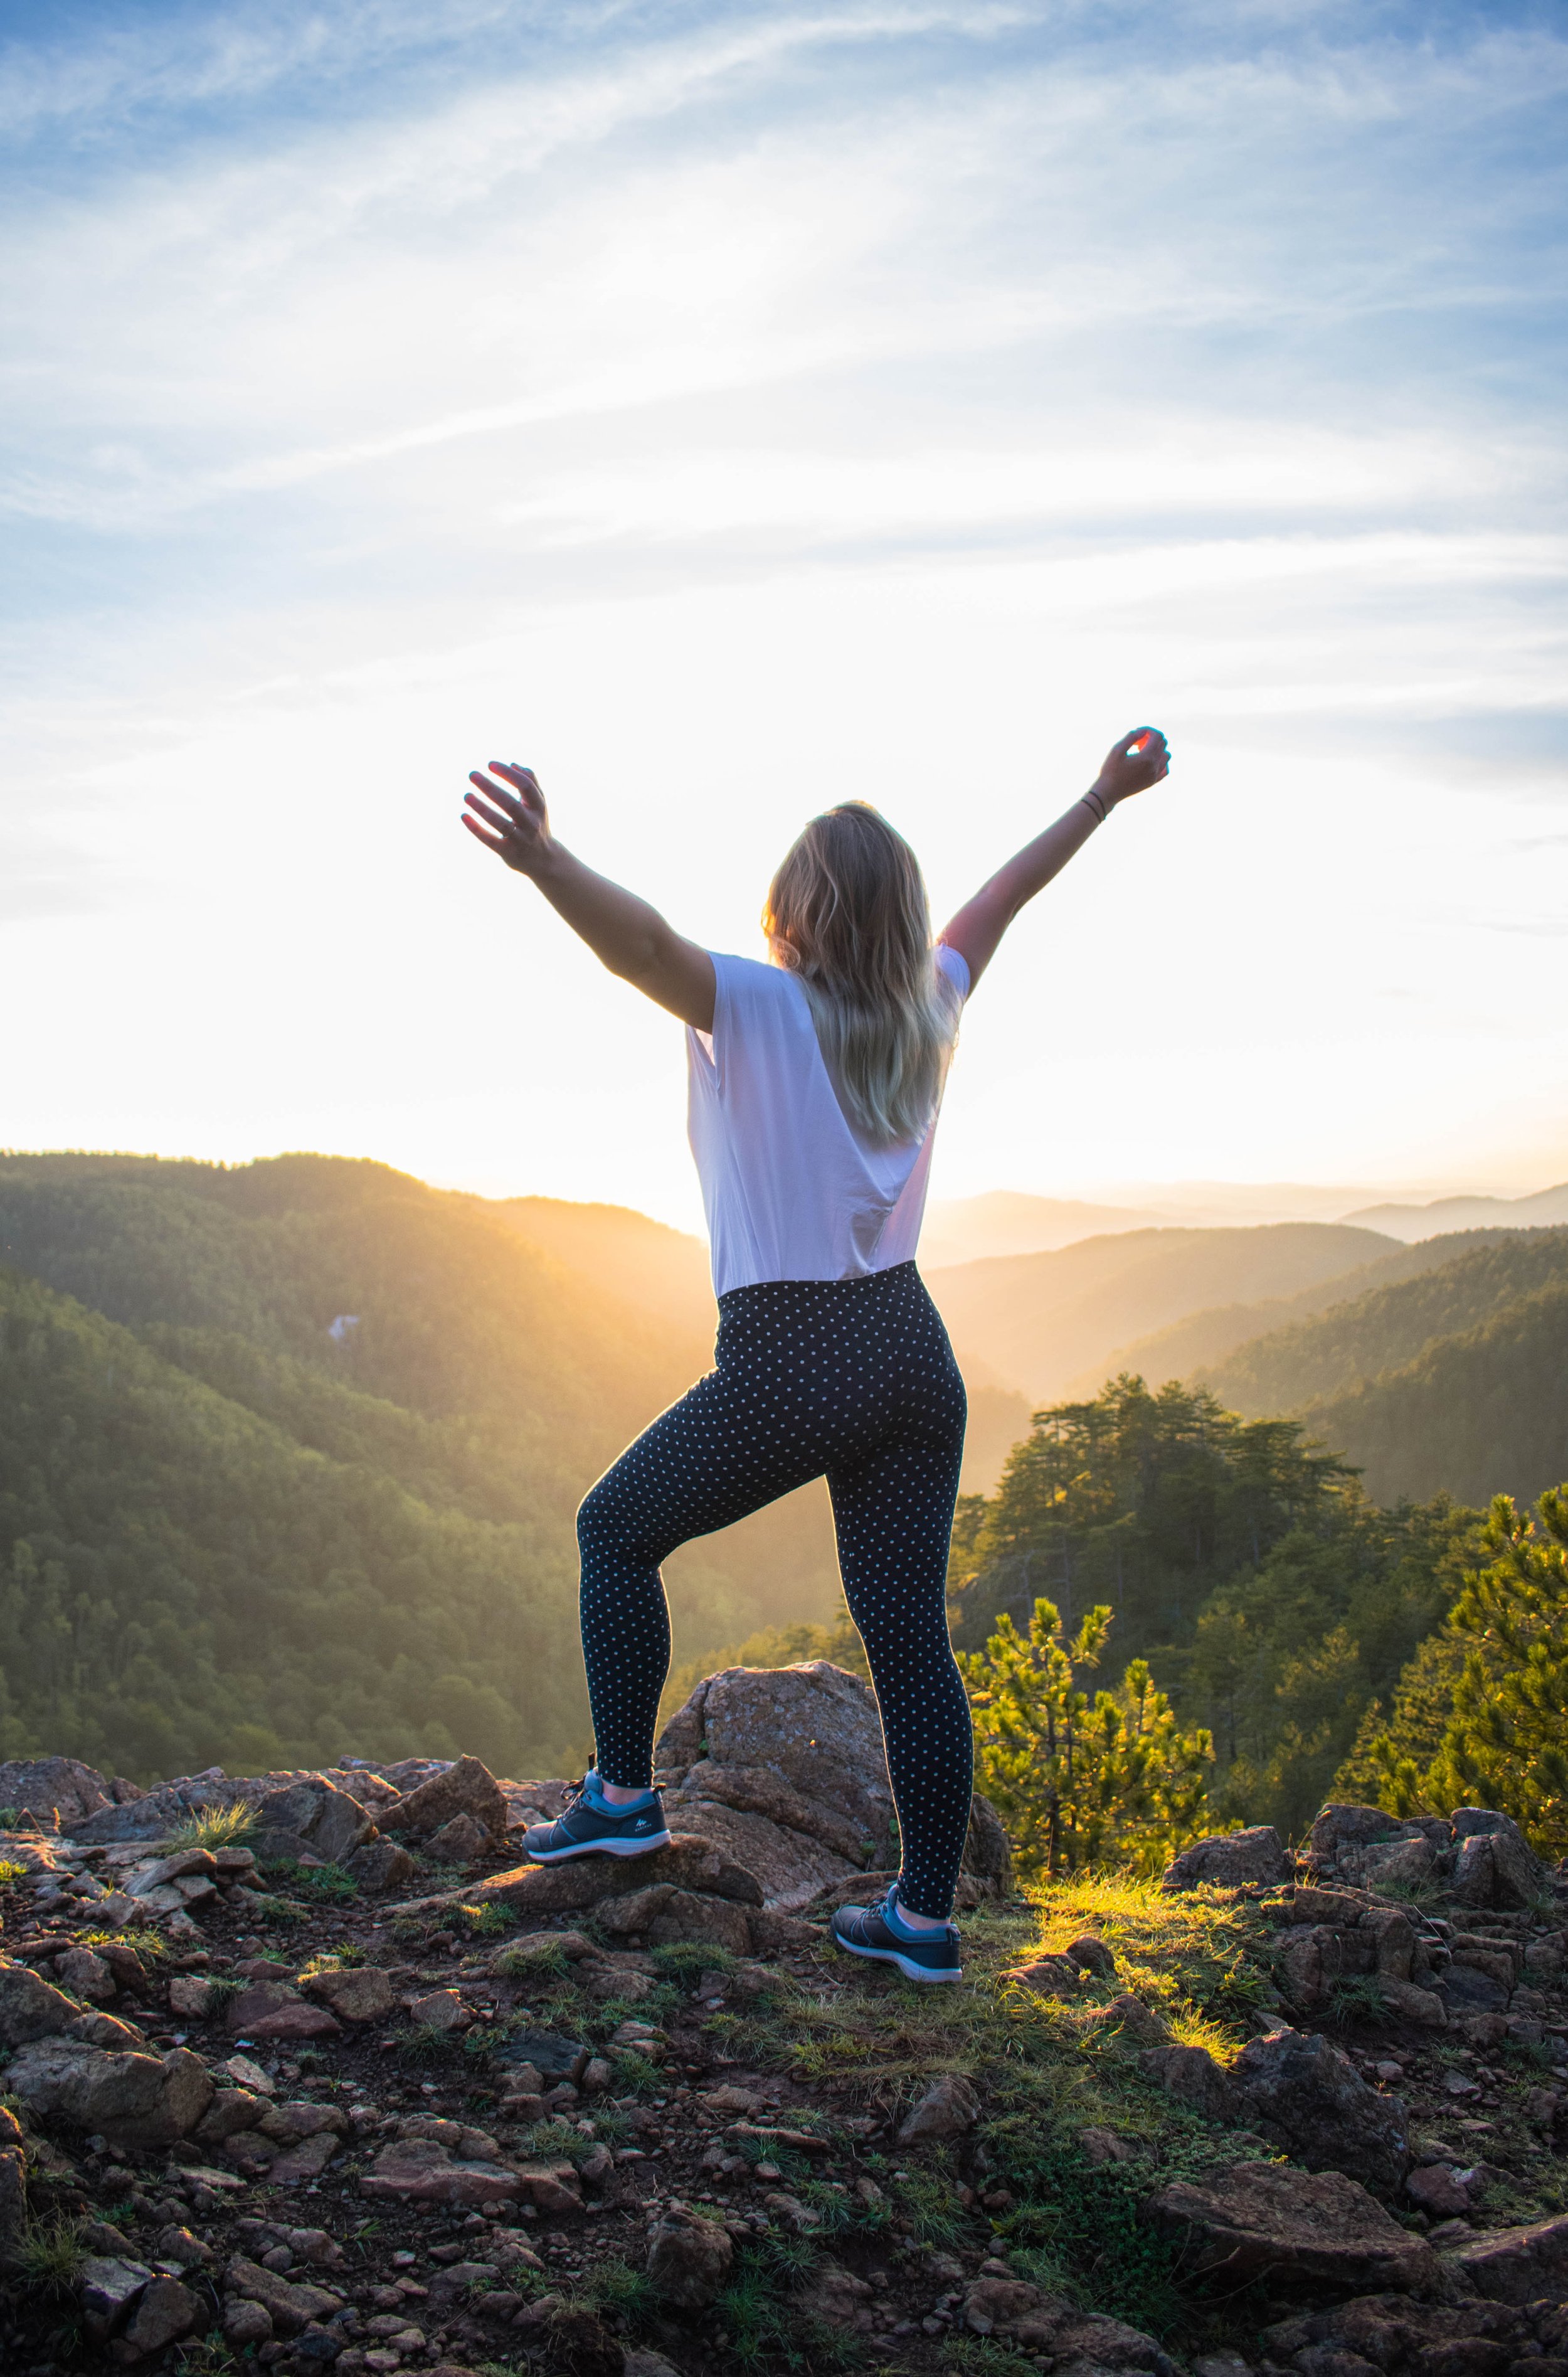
(588, 1831)
(919, 1955)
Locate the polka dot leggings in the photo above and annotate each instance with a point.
(851, 1378)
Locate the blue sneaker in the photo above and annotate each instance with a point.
(881, 1932)
(592, 1828)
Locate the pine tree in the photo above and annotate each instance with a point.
(1080, 1782)
(1506, 1745)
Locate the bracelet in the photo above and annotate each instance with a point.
(1095, 805)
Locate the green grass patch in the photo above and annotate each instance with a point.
(11, 1872)
(1075, 2231)
(50, 2259)
(621, 2295)
(544, 1960)
(229, 1827)
(490, 1922)
(317, 1886)
(685, 1962)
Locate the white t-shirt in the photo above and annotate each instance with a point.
(790, 1188)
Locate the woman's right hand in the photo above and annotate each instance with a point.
(516, 824)
(1140, 759)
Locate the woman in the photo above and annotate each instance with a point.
(815, 1084)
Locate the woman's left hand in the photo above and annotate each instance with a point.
(1140, 759)
(515, 825)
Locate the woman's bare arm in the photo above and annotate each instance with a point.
(1140, 759)
(623, 931)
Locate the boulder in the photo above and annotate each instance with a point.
(166, 2311)
(31, 2008)
(461, 1840)
(690, 1863)
(1090, 1954)
(1495, 1865)
(355, 1993)
(86, 1976)
(286, 2124)
(947, 2109)
(1048, 1976)
(1264, 2220)
(440, 2009)
(190, 1996)
(107, 2285)
(466, 1788)
(1193, 2078)
(157, 1813)
(380, 1865)
(666, 1915)
(1398, 1865)
(231, 2111)
(792, 1867)
(835, 2297)
(58, 1793)
(1518, 2265)
(245, 2321)
(420, 2171)
(1435, 2189)
(133, 2100)
(688, 2259)
(1344, 1831)
(816, 1725)
(1227, 1860)
(311, 1816)
(1307, 2094)
(289, 2306)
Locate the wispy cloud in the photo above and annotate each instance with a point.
(360, 356)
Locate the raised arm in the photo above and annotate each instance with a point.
(623, 931)
(1140, 759)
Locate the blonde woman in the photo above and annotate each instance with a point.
(815, 1085)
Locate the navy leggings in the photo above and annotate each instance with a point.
(854, 1378)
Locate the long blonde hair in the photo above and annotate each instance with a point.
(847, 912)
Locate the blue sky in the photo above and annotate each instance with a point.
(731, 409)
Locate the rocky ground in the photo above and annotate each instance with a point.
(308, 2071)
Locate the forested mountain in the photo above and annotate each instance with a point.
(1481, 1413)
(1197, 1346)
(1274, 1601)
(1038, 1323)
(397, 1401)
(1440, 1289)
(1455, 1379)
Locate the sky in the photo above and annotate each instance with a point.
(728, 410)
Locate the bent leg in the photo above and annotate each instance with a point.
(893, 1516)
(711, 1459)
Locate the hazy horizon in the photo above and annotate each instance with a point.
(728, 409)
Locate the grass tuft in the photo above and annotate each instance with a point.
(51, 2259)
(227, 1827)
(545, 1960)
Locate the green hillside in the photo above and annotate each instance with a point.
(1414, 1302)
(1197, 1346)
(375, 1382)
(1480, 1413)
(1038, 1323)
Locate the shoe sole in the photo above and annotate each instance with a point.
(911, 1972)
(600, 1848)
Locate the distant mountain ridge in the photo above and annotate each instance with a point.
(1039, 1322)
(1548, 1209)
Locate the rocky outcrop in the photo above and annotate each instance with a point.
(784, 1768)
(467, 1788)
(134, 2100)
(688, 2259)
(1477, 1856)
(56, 1794)
(1227, 1860)
(1264, 2220)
